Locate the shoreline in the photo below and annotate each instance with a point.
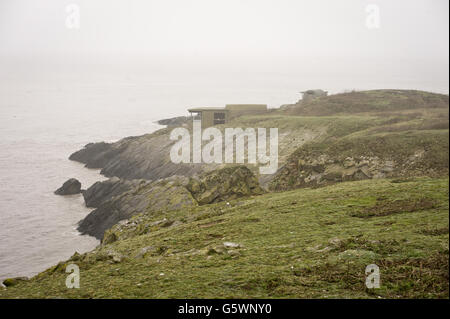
(404, 147)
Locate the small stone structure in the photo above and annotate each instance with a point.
(310, 95)
(218, 115)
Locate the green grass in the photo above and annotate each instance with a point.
(305, 243)
(372, 101)
(390, 124)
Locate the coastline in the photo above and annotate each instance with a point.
(140, 206)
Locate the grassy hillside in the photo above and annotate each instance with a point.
(364, 179)
(322, 121)
(371, 101)
(295, 244)
(370, 134)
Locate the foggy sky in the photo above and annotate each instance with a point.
(260, 34)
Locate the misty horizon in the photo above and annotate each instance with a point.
(326, 44)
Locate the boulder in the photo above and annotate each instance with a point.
(70, 187)
(224, 184)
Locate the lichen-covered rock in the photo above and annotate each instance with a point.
(224, 184)
(166, 194)
(70, 187)
(365, 157)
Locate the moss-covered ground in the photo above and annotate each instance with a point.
(305, 243)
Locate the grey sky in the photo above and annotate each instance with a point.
(289, 34)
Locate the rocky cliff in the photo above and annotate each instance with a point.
(162, 222)
(175, 121)
(314, 151)
(165, 194)
(137, 157)
(118, 200)
(388, 155)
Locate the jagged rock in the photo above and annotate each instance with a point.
(70, 187)
(166, 194)
(224, 184)
(315, 165)
(356, 174)
(349, 162)
(103, 191)
(94, 155)
(137, 157)
(332, 176)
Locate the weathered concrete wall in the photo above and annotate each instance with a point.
(208, 118)
(245, 109)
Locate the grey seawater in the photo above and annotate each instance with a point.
(44, 120)
(39, 129)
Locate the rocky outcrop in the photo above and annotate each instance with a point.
(70, 187)
(167, 194)
(148, 156)
(313, 152)
(224, 184)
(216, 186)
(163, 195)
(138, 157)
(94, 155)
(386, 156)
(103, 191)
